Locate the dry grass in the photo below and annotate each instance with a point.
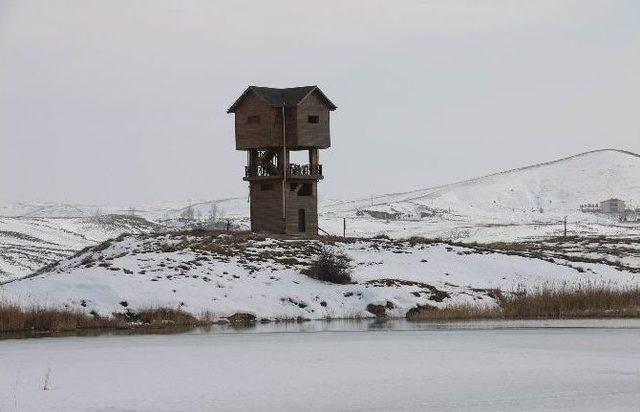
(455, 312)
(590, 301)
(162, 317)
(545, 303)
(14, 318)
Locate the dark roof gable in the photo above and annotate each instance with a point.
(289, 97)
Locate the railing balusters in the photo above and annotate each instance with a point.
(292, 170)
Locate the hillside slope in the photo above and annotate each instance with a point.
(514, 205)
(533, 195)
(28, 243)
(556, 187)
(224, 274)
(35, 234)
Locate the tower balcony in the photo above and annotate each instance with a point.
(314, 170)
(310, 171)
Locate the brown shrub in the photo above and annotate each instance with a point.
(157, 317)
(333, 267)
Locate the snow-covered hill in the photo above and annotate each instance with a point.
(28, 243)
(232, 207)
(556, 187)
(226, 274)
(33, 235)
(529, 201)
(514, 205)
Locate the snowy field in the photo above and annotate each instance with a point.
(223, 275)
(540, 193)
(29, 243)
(469, 230)
(522, 204)
(560, 369)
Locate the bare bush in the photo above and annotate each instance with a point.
(167, 316)
(329, 266)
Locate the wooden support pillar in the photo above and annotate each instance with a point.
(314, 157)
(283, 159)
(253, 155)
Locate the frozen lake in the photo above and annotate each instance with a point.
(490, 366)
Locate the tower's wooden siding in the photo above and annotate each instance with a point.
(312, 134)
(266, 208)
(291, 116)
(309, 203)
(267, 133)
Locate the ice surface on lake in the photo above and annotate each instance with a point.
(474, 369)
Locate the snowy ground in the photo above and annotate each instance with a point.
(33, 235)
(515, 205)
(28, 243)
(223, 275)
(572, 369)
(470, 230)
(540, 193)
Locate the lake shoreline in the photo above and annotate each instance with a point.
(339, 325)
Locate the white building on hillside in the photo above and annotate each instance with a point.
(612, 206)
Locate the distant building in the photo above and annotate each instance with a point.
(590, 207)
(612, 206)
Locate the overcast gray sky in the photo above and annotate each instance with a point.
(123, 102)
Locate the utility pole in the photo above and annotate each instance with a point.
(565, 226)
(344, 227)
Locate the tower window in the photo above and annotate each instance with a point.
(305, 190)
(253, 119)
(314, 119)
(301, 189)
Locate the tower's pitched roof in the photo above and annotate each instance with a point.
(289, 97)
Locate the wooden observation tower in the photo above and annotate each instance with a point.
(283, 195)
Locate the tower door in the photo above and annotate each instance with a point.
(302, 220)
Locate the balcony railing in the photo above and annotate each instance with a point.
(304, 170)
(257, 170)
(314, 170)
